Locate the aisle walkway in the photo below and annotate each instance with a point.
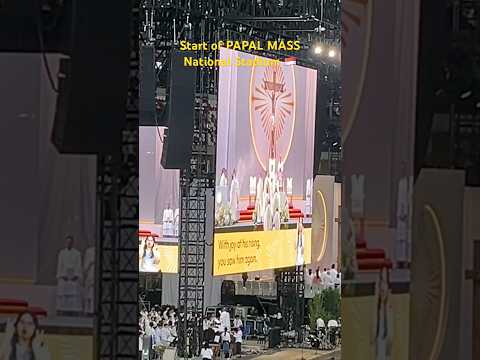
(298, 354)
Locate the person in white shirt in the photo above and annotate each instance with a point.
(173, 332)
(333, 272)
(324, 276)
(164, 334)
(338, 281)
(69, 276)
(237, 322)
(225, 319)
(320, 327)
(309, 293)
(237, 335)
(226, 339)
(157, 336)
(206, 353)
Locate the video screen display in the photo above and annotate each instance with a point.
(264, 167)
(159, 209)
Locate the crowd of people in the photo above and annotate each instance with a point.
(317, 281)
(220, 334)
(157, 328)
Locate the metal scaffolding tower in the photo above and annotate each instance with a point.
(291, 298)
(116, 322)
(194, 184)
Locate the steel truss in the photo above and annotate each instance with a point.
(195, 182)
(291, 298)
(117, 208)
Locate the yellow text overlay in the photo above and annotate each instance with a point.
(239, 252)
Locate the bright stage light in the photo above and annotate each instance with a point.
(331, 53)
(317, 50)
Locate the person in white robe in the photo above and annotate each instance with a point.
(167, 224)
(259, 202)
(309, 292)
(267, 216)
(235, 197)
(333, 273)
(252, 189)
(89, 275)
(69, 277)
(277, 221)
(223, 178)
(276, 201)
(300, 244)
(223, 186)
(290, 188)
(225, 319)
(308, 198)
(325, 279)
(267, 185)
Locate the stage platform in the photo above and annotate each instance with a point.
(250, 226)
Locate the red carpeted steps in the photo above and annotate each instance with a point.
(246, 214)
(17, 306)
(371, 259)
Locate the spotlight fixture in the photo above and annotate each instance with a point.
(331, 53)
(317, 49)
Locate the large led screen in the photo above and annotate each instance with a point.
(159, 210)
(264, 167)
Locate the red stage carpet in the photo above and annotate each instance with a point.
(371, 259)
(246, 215)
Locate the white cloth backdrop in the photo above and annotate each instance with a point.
(46, 195)
(67, 190)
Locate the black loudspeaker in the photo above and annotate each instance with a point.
(154, 297)
(177, 146)
(148, 87)
(227, 291)
(93, 82)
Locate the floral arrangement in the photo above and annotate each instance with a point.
(223, 215)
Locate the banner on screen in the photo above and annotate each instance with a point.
(239, 252)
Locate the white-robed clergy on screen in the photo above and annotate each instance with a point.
(69, 277)
(168, 227)
(300, 244)
(235, 197)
